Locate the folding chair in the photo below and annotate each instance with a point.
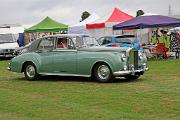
(160, 51)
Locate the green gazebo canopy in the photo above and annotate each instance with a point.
(48, 25)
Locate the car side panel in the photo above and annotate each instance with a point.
(64, 62)
(86, 61)
(45, 61)
(16, 64)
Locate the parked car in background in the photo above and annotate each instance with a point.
(8, 43)
(78, 55)
(120, 41)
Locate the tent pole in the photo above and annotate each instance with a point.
(37, 35)
(112, 31)
(157, 35)
(141, 27)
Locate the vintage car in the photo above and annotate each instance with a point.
(78, 55)
(120, 41)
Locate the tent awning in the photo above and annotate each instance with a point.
(48, 25)
(148, 22)
(116, 16)
(80, 28)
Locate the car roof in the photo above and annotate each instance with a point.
(68, 35)
(121, 36)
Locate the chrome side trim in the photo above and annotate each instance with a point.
(59, 74)
(64, 50)
(128, 72)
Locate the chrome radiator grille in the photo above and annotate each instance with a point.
(133, 60)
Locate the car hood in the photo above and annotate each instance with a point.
(9, 45)
(103, 49)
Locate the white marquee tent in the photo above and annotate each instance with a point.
(80, 28)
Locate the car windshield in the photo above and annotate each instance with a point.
(7, 38)
(85, 41)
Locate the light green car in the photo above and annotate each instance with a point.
(79, 55)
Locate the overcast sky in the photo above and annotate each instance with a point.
(69, 11)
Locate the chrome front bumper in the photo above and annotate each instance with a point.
(132, 72)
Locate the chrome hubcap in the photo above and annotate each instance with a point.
(30, 70)
(103, 72)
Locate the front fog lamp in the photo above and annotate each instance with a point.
(125, 67)
(144, 65)
(140, 56)
(123, 57)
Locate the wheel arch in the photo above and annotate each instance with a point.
(25, 63)
(100, 62)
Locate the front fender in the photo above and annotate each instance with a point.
(113, 60)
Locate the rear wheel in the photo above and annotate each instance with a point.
(103, 73)
(30, 72)
(132, 77)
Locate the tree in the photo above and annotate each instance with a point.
(139, 13)
(84, 15)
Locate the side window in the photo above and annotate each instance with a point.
(46, 44)
(64, 43)
(104, 40)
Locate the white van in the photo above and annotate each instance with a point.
(8, 39)
(8, 43)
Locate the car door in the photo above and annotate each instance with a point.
(45, 52)
(65, 58)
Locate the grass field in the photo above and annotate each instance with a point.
(155, 96)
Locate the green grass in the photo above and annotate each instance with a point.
(155, 96)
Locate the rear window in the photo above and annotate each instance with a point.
(46, 43)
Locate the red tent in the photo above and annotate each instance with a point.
(116, 17)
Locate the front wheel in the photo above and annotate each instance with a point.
(103, 73)
(132, 77)
(30, 72)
